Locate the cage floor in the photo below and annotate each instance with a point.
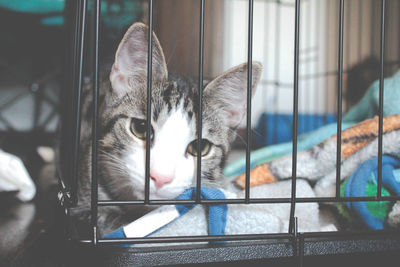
(316, 252)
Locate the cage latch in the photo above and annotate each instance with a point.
(95, 236)
(64, 198)
(297, 242)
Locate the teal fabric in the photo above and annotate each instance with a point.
(113, 15)
(34, 6)
(366, 108)
(118, 16)
(52, 21)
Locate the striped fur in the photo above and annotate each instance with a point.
(174, 112)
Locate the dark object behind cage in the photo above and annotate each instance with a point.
(85, 29)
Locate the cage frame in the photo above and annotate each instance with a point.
(262, 246)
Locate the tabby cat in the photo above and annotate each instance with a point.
(173, 130)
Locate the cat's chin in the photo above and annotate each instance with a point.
(165, 193)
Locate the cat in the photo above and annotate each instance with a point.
(122, 113)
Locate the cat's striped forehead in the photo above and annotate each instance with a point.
(166, 96)
(176, 94)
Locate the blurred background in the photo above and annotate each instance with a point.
(35, 44)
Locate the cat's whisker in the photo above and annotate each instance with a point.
(256, 132)
(122, 164)
(237, 135)
(177, 41)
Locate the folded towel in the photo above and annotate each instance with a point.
(158, 218)
(232, 219)
(216, 214)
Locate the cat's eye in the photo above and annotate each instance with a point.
(139, 129)
(205, 147)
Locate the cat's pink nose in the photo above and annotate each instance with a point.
(160, 179)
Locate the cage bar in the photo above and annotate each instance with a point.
(64, 174)
(373, 18)
(242, 237)
(318, 50)
(200, 103)
(339, 101)
(253, 237)
(94, 193)
(75, 46)
(360, 28)
(249, 95)
(148, 118)
(267, 17)
(81, 48)
(381, 94)
(198, 238)
(348, 24)
(74, 67)
(295, 115)
(305, 90)
(290, 237)
(243, 201)
(295, 237)
(326, 61)
(277, 68)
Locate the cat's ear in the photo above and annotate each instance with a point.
(228, 92)
(130, 65)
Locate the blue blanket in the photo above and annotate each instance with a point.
(356, 186)
(277, 128)
(156, 220)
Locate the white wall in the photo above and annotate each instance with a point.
(273, 45)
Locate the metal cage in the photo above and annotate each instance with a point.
(252, 247)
